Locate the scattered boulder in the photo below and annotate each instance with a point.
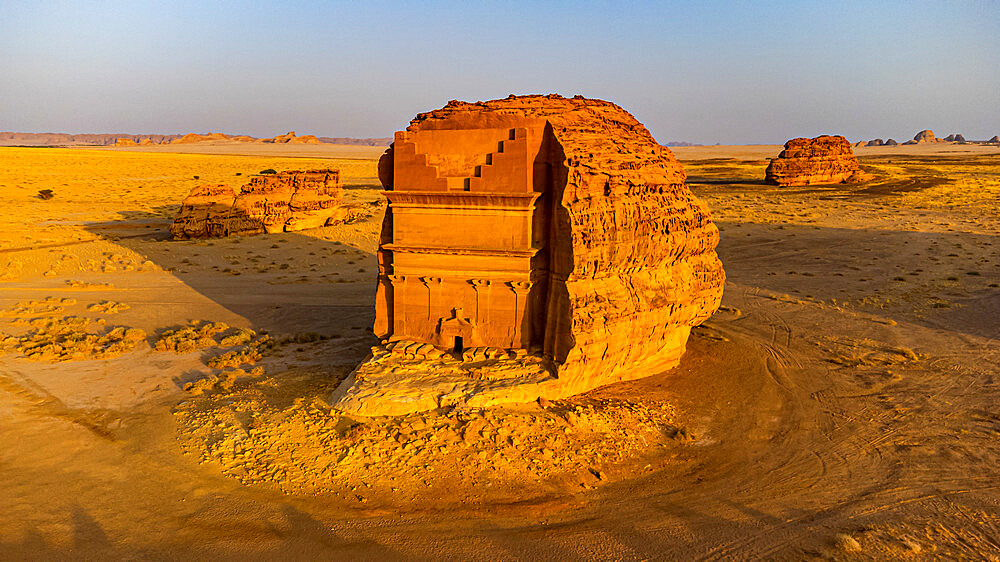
(822, 160)
(271, 203)
(602, 284)
(46, 194)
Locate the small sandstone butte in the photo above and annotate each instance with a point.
(925, 137)
(282, 202)
(822, 160)
(534, 246)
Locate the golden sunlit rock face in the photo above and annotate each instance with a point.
(550, 240)
(279, 202)
(822, 160)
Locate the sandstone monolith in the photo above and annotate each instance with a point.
(825, 159)
(270, 203)
(534, 246)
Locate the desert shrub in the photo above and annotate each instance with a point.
(198, 335)
(268, 171)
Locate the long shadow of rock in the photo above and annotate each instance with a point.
(283, 283)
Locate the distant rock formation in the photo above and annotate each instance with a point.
(488, 296)
(191, 138)
(955, 138)
(891, 142)
(876, 142)
(382, 141)
(995, 139)
(925, 137)
(8, 138)
(290, 138)
(822, 160)
(282, 202)
(125, 142)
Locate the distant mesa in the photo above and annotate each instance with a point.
(826, 159)
(123, 140)
(270, 203)
(534, 246)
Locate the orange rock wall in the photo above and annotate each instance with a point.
(822, 160)
(581, 232)
(282, 202)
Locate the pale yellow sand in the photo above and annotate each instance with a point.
(844, 398)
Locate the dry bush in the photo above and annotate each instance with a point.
(197, 335)
(70, 339)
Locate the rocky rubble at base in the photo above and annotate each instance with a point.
(302, 449)
(825, 159)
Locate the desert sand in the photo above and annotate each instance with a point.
(841, 404)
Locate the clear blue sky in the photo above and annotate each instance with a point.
(740, 72)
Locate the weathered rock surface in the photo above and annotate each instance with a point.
(534, 246)
(125, 142)
(891, 142)
(876, 142)
(996, 138)
(282, 202)
(926, 136)
(822, 160)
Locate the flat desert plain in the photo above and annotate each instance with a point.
(166, 399)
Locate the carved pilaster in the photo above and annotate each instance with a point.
(398, 283)
(521, 289)
(433, 285)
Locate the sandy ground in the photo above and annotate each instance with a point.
(842, 404)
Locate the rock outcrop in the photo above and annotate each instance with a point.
(534, 246)
(822, 160)
(125, 142)
(282, 202)
(995, 139)
(192, 138)
(876, 142)
(891, 142)
(925, 137)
